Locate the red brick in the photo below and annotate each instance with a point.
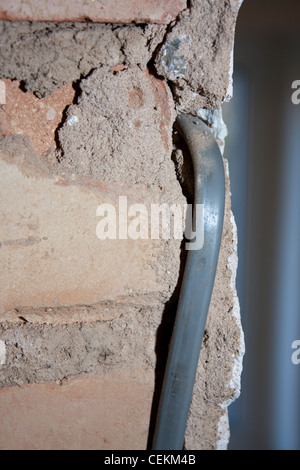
(111, 11)
(105, 413)
(48, 229)
(26, 114)
(49, 247)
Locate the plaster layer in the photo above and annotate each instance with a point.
(193, 52)
(196, 54)
(105, 126)
(45, 56)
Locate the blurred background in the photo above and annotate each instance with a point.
(263, 149)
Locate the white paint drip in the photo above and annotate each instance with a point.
(214, 119)
(229, 92)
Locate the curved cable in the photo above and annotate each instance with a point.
(197, 285)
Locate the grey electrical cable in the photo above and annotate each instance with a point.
(197, 286)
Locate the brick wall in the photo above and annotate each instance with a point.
(86, 120)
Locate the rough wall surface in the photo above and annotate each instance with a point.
(77, 313)
(196, 54)
(46, 56)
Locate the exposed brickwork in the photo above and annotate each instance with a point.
(109, 412)
(26, 114)
(48, 240)
(85, 323)
(49, 248)
(110, 11)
